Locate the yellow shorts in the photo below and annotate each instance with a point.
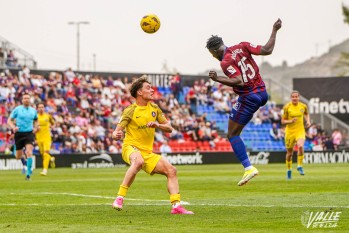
(44, 145)
(150, 158)
(292, 138)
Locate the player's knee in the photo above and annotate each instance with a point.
(137, 164)
(171, 171)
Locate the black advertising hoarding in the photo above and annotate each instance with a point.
(326, 95)
(104, 160)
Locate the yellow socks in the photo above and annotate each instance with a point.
(289, 165)
(175, 198)
(122, 190)
(300, 160)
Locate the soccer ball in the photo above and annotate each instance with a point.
(150, 23)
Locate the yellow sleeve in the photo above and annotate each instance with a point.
(161, 117)
(285, 110)
(305, 109)
(126, 116)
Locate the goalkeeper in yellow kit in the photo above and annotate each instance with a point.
(293, 117)
(43, 138)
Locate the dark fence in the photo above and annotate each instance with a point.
(104, 160)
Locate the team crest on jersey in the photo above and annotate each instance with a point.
(302, 110)
(253, 46)
(231, 70)
(153, 114)
(237, 106)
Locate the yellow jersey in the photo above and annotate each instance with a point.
(295, 111)
(44, 121)
(134, 119)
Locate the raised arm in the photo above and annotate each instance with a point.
(268, 48)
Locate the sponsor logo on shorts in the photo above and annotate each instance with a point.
(237, 106)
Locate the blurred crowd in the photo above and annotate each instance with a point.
(86, 109)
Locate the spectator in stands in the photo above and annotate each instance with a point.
(11, 60)
(275, 132)
(165, 148)
(275, 115)
(312, 131)
(336, 138)
(69, 75)
(2, 58)
(327, 144)
(175, 85)
(192, 100)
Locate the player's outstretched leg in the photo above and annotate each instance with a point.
(240, 151)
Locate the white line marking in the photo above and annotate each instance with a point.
(154, 202)
(163, 204)
(97, 196)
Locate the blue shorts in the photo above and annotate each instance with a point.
(243, 110)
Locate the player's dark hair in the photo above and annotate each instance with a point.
(138, 84)
(41, 103)
(214, 42)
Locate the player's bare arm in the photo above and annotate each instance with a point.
(285, 122)
(231, 82)
(307, 120)
(36, 126)
(118, 133)
(10, 123)
(268, 48)
(166, 127)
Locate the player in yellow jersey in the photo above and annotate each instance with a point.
(140, 120)
(43, 138)
(293, 117)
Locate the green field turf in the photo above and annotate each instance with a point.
(70, 200)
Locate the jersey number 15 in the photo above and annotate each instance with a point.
(246, 69)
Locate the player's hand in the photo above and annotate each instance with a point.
(294, 120)
(277, 25)
(153, 124)
(212, 75)
(307, 125)
(35, 130)
(15, 129)
(117, 135)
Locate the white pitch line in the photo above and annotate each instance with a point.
(97, 196)
(154, 204)
(163, 204)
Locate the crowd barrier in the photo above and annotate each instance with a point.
(105, 160)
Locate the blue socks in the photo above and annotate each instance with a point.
(24, 161)
(29, 166)
(240, 150)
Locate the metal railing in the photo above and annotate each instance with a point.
(23, 57)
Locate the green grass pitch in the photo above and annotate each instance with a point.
(80, 200)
